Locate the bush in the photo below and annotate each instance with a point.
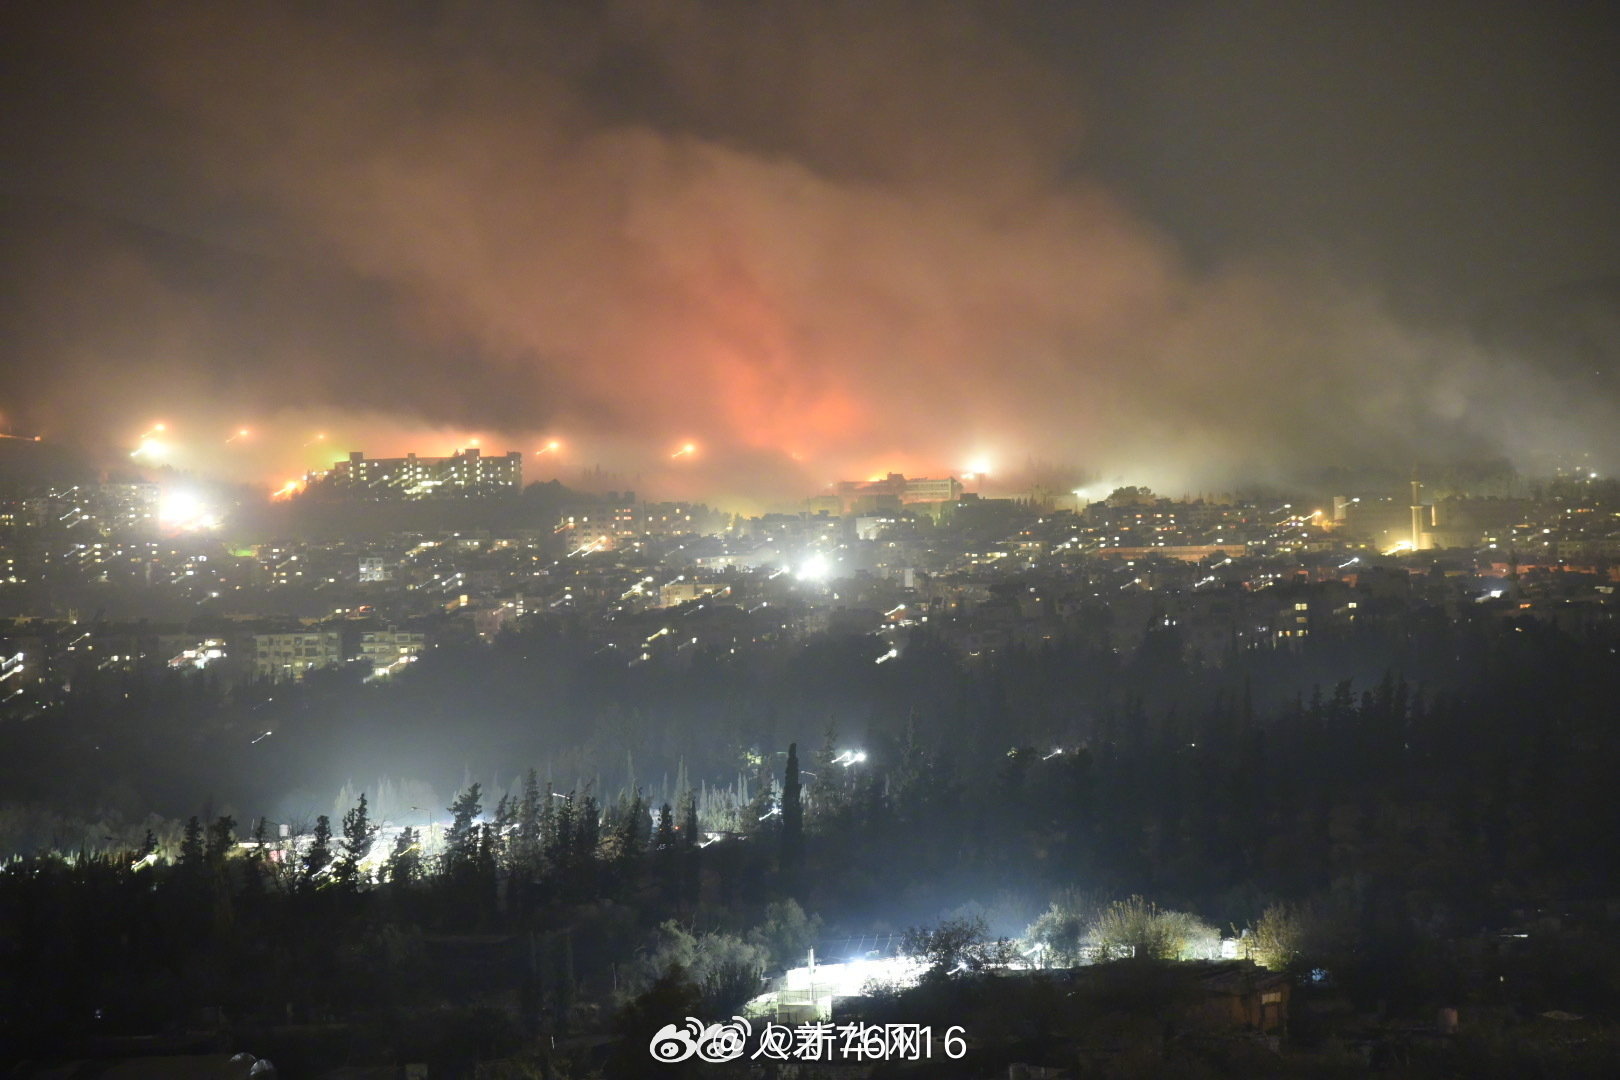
(1060, 932)
(725, 968)
(957, 945)
(1139, 928)
(786, 934)
(1278, 937)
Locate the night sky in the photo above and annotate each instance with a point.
(1179, 243)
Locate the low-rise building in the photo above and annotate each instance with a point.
(293, 655)
(389, 650)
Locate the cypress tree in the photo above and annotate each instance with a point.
(587, 830)
(405, 860)
(358, 835)
(320, 850)
(506, 816)
(666, 856)
(461, 841)
(254, 882)
(221, 837)
(690, 837)
(664, 838)
(527, 848)
(192, 854)
(792, 812)
(587, 838)
(560, 846)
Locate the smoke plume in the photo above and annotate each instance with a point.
(813, 240)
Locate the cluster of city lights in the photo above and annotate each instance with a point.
(160, 446)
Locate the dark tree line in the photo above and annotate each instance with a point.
(1466, 781)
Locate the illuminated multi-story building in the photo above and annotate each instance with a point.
(467, 473)
(290, 656)
(374, 569)
(894, 491)
(389, 650)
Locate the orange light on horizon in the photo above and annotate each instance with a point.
(287, 490)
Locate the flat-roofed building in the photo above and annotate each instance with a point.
(894, 491)
(391, 649)
(466, 473)
(293, 655)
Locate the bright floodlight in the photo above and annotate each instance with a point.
(183, 510)
(815, 568)
(151, 449)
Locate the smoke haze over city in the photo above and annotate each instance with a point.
(948, 538)
(1190, 244)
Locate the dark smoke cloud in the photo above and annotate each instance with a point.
(816, 240)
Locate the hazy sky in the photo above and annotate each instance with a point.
(1174, 241)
